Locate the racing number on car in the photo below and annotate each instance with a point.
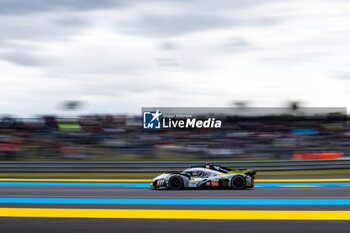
(160, 182)
(214, 183)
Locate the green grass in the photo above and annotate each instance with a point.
(153, 174)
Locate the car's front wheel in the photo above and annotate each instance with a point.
(176, 183)
(238, 182)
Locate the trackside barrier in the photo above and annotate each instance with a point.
(271, 165)
(308, 155)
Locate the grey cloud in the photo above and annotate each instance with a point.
(23, 54)
(170, 22)
(230, 4)
(26, 59)
(39, 27)
(119, 88)
(237, 44)
(166, 62)
(118, 85)
(165, 25)
(344, 76)
(170, 25)
(9, 7)
(296, 58)
(182, 17)
(109, 65)
(100, 61)
(72, 22)
(168, 45)
(10, 45)
(265, 21)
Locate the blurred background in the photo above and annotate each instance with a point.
(75, 74)
(296, 134)
(120, 55)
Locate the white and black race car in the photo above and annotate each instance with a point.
(206, 176)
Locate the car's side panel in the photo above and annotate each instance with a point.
(210, 178)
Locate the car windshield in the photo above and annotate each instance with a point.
(194, 173)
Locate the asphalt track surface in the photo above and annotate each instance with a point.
(76, 225)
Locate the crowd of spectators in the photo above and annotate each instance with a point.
(107, 137)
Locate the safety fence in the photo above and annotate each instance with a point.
(270, 165)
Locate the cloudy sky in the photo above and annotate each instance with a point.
(119, 55)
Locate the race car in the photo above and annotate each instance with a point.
(206, 176)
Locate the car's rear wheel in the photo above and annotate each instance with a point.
(176, 183)
(238, 182)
